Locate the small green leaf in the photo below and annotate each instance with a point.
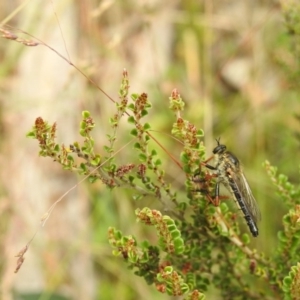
(224, 207)
(287, 281)
(30, 134)
(137, 197)
(147, 126)
(82, 132)
(153, 152)
(178, 243)
(168, 220)
(172, 227)
(108, 149)
(131, 120)
(95, 161)
(159, 277)
(182, 206)
(184, 157)
(142, 157)
(137, 146)
(134, 96)
(70, 158)
(134, 132)
(185, 288)
(157, 162)
(168, 269)
(113, 121)
(83, 167)
(200, 133)
(131, 107)
(83, 125)
(117, 234)
(144, 112)
(85, 114)
(92, 179)
(246, 238)
(187, 169)
(175, 234)
(116, 252)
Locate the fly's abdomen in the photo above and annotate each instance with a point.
(242, 204)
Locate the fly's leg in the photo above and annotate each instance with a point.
(205, 183)
(206, 165)
(205, 187)
(217, 194)
(214, 200)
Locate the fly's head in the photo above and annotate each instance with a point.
(226, 162)
(220, 149)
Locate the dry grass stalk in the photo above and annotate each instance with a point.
(6, 34)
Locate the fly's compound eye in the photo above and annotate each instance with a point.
(219, 149)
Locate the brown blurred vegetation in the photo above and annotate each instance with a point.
(235, 63)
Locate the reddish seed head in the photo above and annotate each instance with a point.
(175, 95)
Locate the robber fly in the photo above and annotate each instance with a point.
(229, 173)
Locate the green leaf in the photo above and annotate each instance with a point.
(134, 96)
(31, 134)
(116, 252)
(137, 197)
(142, 157)
(168, 220)
(172, 227)
(184, 288)
(157, 162)
(117, 234)
(144, 113)
(83, 167)
(85, 114)
(108, 149)
(134, 132)
(70, 158)
(95, 161)
(287, 281)
(137, 145)
(82, 132)
(113, 121)
(246, 238)
(83, 125)
(224, 208)
(168, 269)
(131, 107)
(131, 120)
(200, 133)
(184, 157)
(175, 234)
(147, 126)
(153, 152)
(92, 179)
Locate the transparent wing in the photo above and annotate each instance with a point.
(244, 189)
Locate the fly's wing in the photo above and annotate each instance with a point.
(244, 188)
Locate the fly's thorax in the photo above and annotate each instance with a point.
(233, 160)
(226, 164)
(221, 165)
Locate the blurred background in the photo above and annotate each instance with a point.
(235, 63)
